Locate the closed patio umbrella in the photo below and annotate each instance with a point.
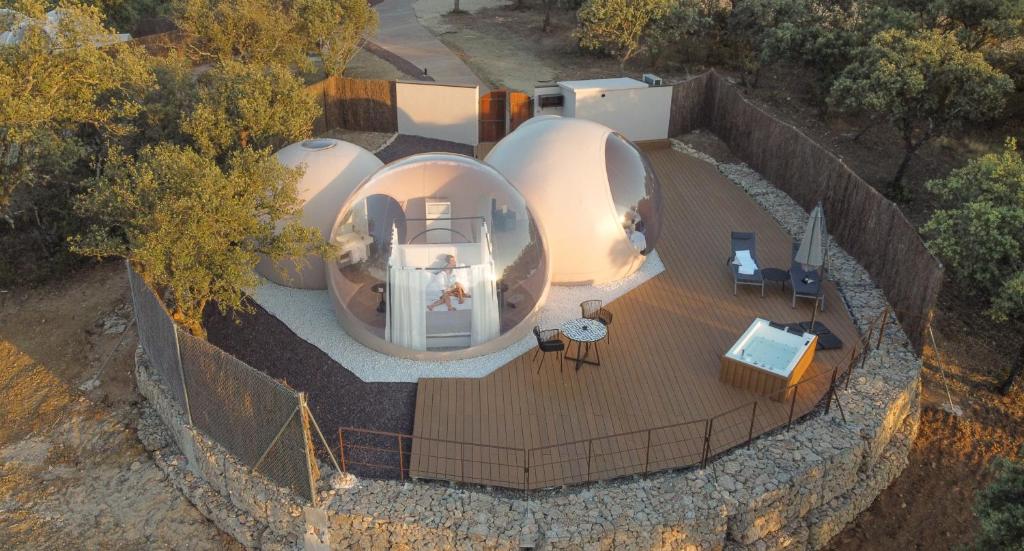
(811, 252)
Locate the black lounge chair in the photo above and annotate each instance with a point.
(548, 340)
(805, 283)
(592, 310)
(745, 241)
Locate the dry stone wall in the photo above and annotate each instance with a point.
(794, 489)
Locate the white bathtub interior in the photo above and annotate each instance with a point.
(774, 350)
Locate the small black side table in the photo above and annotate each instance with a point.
(379, 288)
(776, 274)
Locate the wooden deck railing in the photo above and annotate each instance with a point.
(379, 454)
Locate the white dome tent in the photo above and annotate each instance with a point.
(333, 169)
(456, 265)
(592, 189)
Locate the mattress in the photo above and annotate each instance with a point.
(444, 322)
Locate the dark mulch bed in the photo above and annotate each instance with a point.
(336, 397)
(403, 146)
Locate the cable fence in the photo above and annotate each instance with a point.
(261, 422)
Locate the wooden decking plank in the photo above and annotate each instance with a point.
(663, 367)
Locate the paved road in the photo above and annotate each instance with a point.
(402, 34)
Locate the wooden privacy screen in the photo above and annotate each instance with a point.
(862, 221)
(355, 104)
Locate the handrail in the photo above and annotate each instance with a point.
(843, 366)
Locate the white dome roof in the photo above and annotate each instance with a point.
(333, 169)
(590, 188)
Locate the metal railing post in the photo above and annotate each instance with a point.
(881, 329)
(792, 405)
(831, 391)
(647, 455)
(526, 469)
(401, 459)
(341, 450)
(706, 454)
(590, 447)
(753, 415)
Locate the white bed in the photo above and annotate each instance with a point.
(417, 279)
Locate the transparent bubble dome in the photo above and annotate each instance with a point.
(438, 258)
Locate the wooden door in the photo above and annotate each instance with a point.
(520, 109)
(493, 115)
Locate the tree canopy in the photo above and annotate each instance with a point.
(1000, 508)
(618, 27)
(54, 81)
(924, 83)
(979, 231)
(241, 105)
(269, 31)
(192, 227)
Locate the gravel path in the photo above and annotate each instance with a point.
(310, 315)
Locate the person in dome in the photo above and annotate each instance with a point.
(451, 287)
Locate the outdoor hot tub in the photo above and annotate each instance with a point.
(766, 360)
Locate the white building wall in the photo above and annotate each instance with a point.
(638, 114)
(439, 111)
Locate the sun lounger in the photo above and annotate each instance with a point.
(746, 270)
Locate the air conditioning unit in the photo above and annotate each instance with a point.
(651, 79)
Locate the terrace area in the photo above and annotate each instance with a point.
(658, 371)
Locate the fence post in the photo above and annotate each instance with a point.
(705, 455)
(526, 469)
(590, 446)
(181, 373)
(881, 328)
(341, 450)
(753, 415)
(401, 459)
(792, 405)
(647, 455)
(831, 391)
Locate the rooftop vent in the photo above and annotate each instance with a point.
(652, 79)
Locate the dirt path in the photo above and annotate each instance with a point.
(401, 33)
(72, 472)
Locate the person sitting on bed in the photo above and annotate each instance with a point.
(450, 287)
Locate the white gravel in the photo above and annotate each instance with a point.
(310, 315)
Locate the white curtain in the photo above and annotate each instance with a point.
(407, 308)
(485, 322)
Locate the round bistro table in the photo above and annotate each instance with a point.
(585, 333)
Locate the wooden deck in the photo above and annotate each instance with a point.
(659, 369)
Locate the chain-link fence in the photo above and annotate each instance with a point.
(158, 337)
(260, 421)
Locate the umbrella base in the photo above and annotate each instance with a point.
(817, 328)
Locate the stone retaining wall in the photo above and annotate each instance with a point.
(791, 490)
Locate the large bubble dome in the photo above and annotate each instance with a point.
(593, 190)
(439, 258)
(332, 169)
